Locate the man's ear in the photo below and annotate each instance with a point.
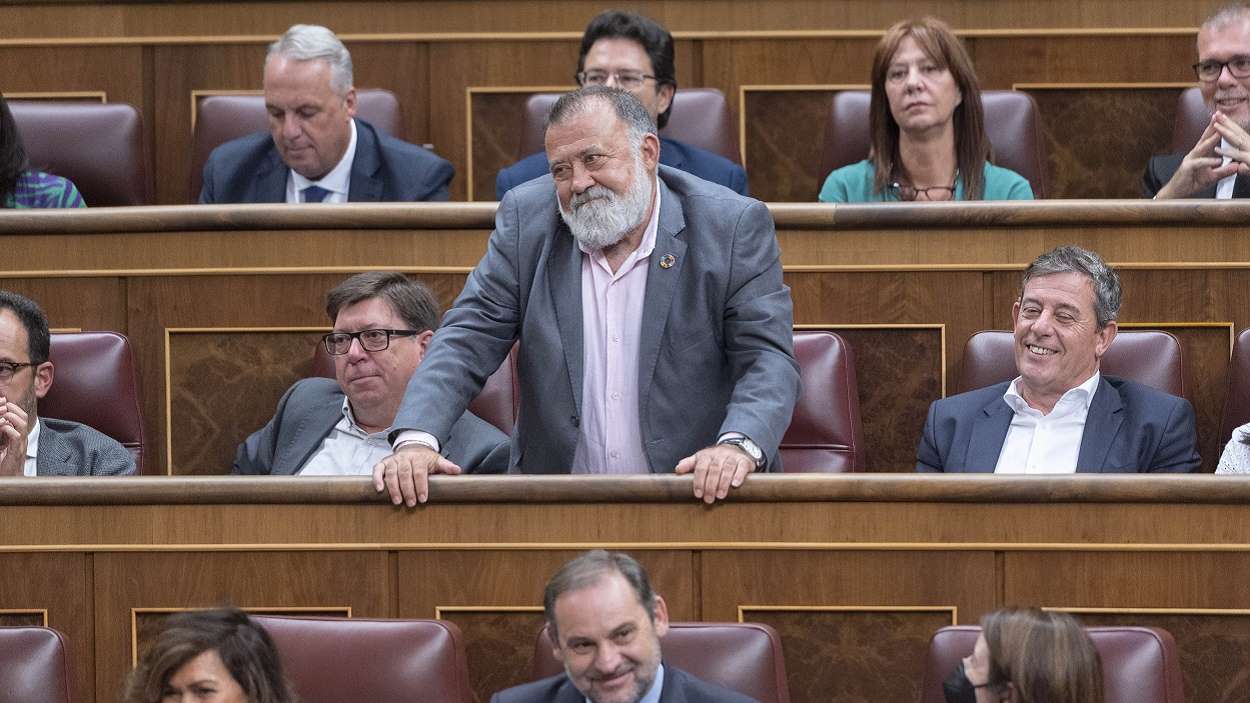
(349, 102)
(665, 93)
(423, 344)
(661, 616)
(1106, 336)
(43, 378)
(554, 640)
(650, 151)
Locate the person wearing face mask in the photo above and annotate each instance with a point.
(927, 126)
(1027, 655)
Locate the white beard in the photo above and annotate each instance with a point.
(601, 218)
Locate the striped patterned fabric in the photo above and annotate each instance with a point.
(39, 189)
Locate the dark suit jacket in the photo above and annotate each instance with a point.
(72, 449)
(313, 406)
(716, 350)
(250, 170)
(683, 157)
(678, 687)
(1160, 169)
(1129, 428)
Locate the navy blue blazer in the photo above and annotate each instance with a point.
(1130, 428)
(250, 170)
(678, 687)
(683, 157)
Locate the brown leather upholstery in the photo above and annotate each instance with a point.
(1139, 664)
(1151, 357)
(497, 403)
(95, 383)
(98, 146)
(825, 434)
(330, 660)
(1192, 117)
(700, 117)
(1011, 122)
(743, 657)
(220, 118)
(1237, 402)
(32, 665)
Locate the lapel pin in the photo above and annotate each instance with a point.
(667, 261)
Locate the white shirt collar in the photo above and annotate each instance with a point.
(337, 181)
(31, 466)
(1074, 398)
(1224, 188)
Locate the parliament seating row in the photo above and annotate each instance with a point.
(329, 659)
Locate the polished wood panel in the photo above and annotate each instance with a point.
(58, 587)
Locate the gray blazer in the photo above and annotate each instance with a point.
(716, 350)
(311, 408)
(68, 448)
(1130, 428)
(678, 687)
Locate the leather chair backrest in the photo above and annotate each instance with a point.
(1011, 122)
(700, 117)
(1192, 117)
(497, 403)
(330, 660)
(742, 657)
(220, 118)
(1152, 357)
(1139, 664)
(98, 146)
(94, 383)
(825, 434)
(1237, 402)
(33, 668)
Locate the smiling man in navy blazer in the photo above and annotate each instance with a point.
(317, 150)
(1061, 415)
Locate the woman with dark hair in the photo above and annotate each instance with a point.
(210, 656)
(927, 126)
(21, 187)
(1026, 655)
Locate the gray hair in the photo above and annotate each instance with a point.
(636, 118)
(586, 570)
(1226, 15)
(1073, 259)
(311, 42)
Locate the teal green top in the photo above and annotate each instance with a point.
(853, 184)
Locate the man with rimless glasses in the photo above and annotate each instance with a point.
(383, 324)
(31, 445)
(1218, 166)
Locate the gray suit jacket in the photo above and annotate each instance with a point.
(1130, 428)
(311, 408)
(250, 170)
(678, 687)
(69, 448)
(716, 348)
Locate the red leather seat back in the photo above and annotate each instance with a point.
(1237, 402)
(1152, 357)
(1011, 122)
(220, 118)
(743, 657)
(330, 660)
(33, 667)
(1139, 664)
(825, 434)
(94, 383)
(497, 403)
(1192, 117)
(98, 146)
(700, 117)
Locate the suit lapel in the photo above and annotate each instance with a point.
(1102, 423)
(989, 431)
(564, 284)
(661, 286)
(1241, 187)
(270, 184)
(300, 445)
(365, 186)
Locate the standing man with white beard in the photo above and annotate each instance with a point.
(653, 324)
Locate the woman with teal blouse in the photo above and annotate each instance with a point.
(927, 126)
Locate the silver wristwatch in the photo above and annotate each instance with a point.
(745, 444)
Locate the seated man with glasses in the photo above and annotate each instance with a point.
(1218, 166)
(38, 446)
(634, 53)
(383, 324)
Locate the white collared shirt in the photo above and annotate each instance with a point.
(1224, 189)
(31, 467)
(338, 181)
(1045, 444)
(348, 450)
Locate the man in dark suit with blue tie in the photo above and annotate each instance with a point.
(316, 149)
(634, 53)
(1061, 415)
